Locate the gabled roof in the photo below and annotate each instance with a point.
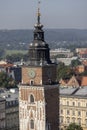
(73, 81)
(63, 81)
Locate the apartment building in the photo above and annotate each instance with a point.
(2, 114)
(64, 51)
(10, 109)
(73, 107)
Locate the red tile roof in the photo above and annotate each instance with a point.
(84, 62)
(6, 65)
(84, 81)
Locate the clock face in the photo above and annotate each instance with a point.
(32, 73)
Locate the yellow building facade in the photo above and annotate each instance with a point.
(73, 107)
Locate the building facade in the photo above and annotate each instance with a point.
(61, 51)
(12, 115)
(73, 107)
(9, 110)
(2, 114)
(39, 93)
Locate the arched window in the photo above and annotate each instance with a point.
(31, 98)
(32, 124)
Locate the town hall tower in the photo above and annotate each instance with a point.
(38, 91)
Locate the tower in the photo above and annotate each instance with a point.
(38, 92)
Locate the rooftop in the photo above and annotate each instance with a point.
(80, 91)
(9, 95)
(2, 99)
(68, 91)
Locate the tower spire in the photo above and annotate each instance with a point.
(38, 13)
(39, 49)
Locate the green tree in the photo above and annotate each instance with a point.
(74, 126)
(59, 56)
(64, 71)
(14, 57)
(83, 73)
(17, 57)
(75, 63)
(6, 81)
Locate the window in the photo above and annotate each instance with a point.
(79, 121)
(32, 124)
(86, 114)
(68, 120)
(86, 122)
(31, 98)
(61, 119)
(61, 111)
(67, 103)
(78, 104)
(79, 113)
(31, 82)
(73, 120)
(68, 112)
(73, 103)
(73, 113)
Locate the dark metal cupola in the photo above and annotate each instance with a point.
(39, 49)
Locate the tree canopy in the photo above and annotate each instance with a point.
(64, 71)
(74, 126)
(6, 81)
(75, 63)
(17, 57)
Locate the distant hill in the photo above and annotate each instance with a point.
(66, 34)
(20, 39)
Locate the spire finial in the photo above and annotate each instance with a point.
(38, 13)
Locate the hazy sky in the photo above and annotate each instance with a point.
(21, 14)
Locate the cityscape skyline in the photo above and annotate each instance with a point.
(20, 14)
